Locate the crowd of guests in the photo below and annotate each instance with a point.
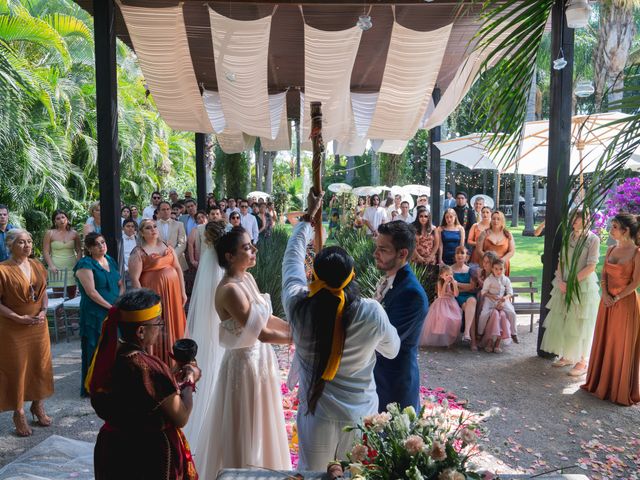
(470, 252)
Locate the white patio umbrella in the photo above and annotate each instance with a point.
(469, 150)
(258, 194)
(366, 191)
(339, 188)
(590, 137)
(418, 190)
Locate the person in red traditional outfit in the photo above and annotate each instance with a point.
(142, 402)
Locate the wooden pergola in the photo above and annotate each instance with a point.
(286, 74)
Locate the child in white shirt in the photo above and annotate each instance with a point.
(498, 317)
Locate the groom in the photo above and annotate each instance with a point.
(406, 304)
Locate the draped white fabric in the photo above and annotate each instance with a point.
(278, 109)
(363, 105)
(466, 76)
(159, 38)
(214, 109)
(240, 51)
(328, 62)
(389, 146)
(412, 68)
(233, 141)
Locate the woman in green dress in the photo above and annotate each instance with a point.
(100, 284)
(61, 250)
(569, 329)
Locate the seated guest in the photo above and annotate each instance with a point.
(426, 246)
(337, 334)
(100, 284)
(61, 249)
(467, 297)
(497, 239)
(142, 402)
(497, 320)
(449, 236)
(476, 231)
(442, 326)
(93, 222)
(25, 356)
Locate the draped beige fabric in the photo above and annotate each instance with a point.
(278, 108)
(240, 50)
(160, 41)
(235, 142)
(328, 62)
(412, 68)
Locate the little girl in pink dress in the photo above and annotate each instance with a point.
(442, 325)
(498, 317)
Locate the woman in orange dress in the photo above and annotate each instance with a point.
(476, 230)
(614, 364)
(497, 239)
(154, 265)
(25, 356)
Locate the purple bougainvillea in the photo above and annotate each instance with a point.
(623, 198)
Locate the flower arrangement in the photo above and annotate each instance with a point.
(623, 198)
(435, 444)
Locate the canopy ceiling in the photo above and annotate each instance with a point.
(284, 62)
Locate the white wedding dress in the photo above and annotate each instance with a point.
(203, 325)
(247, 428)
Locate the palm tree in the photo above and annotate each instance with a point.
(616, 32)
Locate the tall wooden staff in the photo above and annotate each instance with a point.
(316, 166)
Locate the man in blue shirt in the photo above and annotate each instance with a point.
(5, 226)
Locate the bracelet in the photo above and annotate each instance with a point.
(188, 383)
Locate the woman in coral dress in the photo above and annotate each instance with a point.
(474, 234)
(155, 266)
(614, 364)
(497, 239)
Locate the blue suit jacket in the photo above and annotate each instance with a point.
(398, 379)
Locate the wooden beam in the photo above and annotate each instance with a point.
(107, 123)
(201, 171)
(435, 135)
(562, 37)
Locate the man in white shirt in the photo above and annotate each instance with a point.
(172, 232)
(150, 210)
(395, 207)
(405, 216)
(129, 240)
(248, 221)
(374, 216)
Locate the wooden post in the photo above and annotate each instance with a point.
(559, 154)
(201, 171)
(434, 154)
(104, 25)
(316, 165)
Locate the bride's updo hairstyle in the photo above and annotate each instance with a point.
(225, 242)
(317, 314)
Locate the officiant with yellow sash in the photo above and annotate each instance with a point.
(142, 402)
(337, 334)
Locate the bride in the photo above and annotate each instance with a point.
(244, 424)
(203, 325)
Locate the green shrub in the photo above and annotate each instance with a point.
(268, 269)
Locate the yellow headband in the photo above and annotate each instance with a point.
(338, 332)
(139, 316)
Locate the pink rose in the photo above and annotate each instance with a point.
(438, 452)
(414, 444)
(359, 453)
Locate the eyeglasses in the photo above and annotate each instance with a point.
(234, 217)
(244, 206)
(155, 198)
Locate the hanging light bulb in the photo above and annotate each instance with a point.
(559, 63)
(364, 22)
(584, 89)
(578, 13)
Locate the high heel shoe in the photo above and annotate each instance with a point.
(20, 422)
(42, 418)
